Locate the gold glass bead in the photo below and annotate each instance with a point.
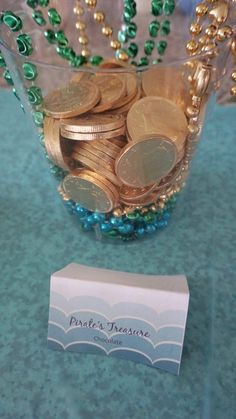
(211, 31)
(99, 17)
(85, 52)
(219, 12)
(123, 56)
(80, 26)
(233, 91)
(144, 210)
(91, 3)
(117, 212)
(192, 46)
(115, 44)
(210, 49)
(192, 111)
(233, 47)
(78, 10)
(195, 28)
(83, 40)
(224, 33)
(153, 207)
(233, 75)
(203, 40)
(201, 10)
(107, 30)
(193, 129)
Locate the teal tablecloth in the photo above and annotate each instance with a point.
(38, 237)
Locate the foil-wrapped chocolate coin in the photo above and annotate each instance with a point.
(91, 136)
(88, 191)
(145, 162)
(57, 148)
(93, 123)
(72, 100)
(157, 117)
(112, 89)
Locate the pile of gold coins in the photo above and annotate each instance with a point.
(119, 135)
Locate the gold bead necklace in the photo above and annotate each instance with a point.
(81, 28)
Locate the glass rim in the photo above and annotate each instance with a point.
(97, 69)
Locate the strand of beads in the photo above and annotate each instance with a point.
(129, 225)
(129, 30)
(107, 30)
(81, 28)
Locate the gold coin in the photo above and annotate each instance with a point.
(119, 141)
(112, 89)
(157, 117)
(91, 136)
(131, 87)
(111, 145)
(106, 171)
(71, 100)
(107, 161)
(146, 162)
(134, 194)
(100, 155)
(57, 148)
(93, 123)
(105, 181)
(147, 200)
(88, 191)
(124, 109)
(166, 82)
(80, 75)
(105, 148)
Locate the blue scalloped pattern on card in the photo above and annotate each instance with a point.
(88, 324)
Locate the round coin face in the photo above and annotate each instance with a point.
(146, 162)
(112, 89)
(57, 148)
(71, 100)
(89, 192)
(166, 82)
(93, 123)
(156, 116)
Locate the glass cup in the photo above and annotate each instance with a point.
(118, 103)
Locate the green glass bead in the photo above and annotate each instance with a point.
(165, 28)
(112, 233)
(78, 61)
(30, 71)
(38, 119)
(15, 93)
(35, 95)
(32, 3)
(43, 3)
(66, 52)
(149, 217)
(7, 77)
(61, 39)
(132, 50)
(50, 36)
(169, 7)
(12, 21)
(131, 30)
(38, 17)
(134, 63)
(154, 28)
(95, 60)
(157, 7)
(149, 47)
(2, 62)
(161, 47)
(143, 61)
(122, 37)
(54, 17)
(41, 139)
(133, 216)
(24, 44)
(129, 12)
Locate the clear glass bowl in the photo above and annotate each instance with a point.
(118, 104)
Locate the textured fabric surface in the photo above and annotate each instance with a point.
(38, 237)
